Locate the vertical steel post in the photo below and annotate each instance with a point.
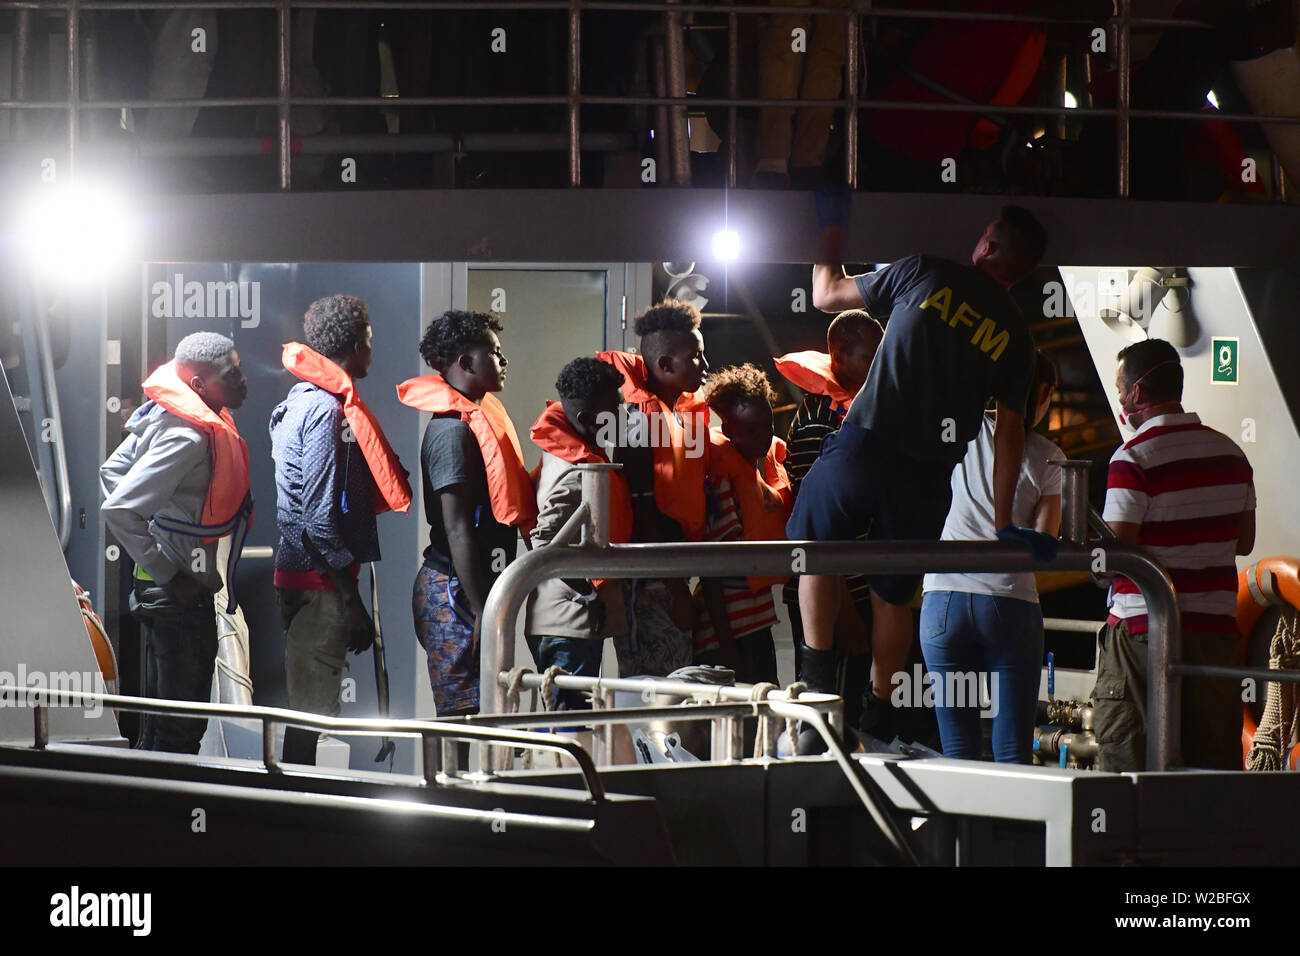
(852, 67)
(269, 756)
(733, 93)
(663, 136)
(74, 83)
(1123, 56)
(675, 45)
(40, 727)
(1164, 691)
(1060, 76)
(20, 69)
(595, 495)
(1074, 501)
(430, 750)
(284, 68)
(575, 85)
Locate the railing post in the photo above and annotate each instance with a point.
(680, 142)
(1074, 501)
(733, 93)
(40, 727)
(575, 85)
(20, 69)
(852, 67)
(430, 750)
(284, 68)
(74, 84)
(269, 756)
(595, 495)
(1164, 692)
(1123, 56)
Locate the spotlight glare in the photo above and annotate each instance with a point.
(76, 232)
(726, 245)
(1212, 99)
(1070, 102)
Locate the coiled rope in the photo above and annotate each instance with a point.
(1279, 728)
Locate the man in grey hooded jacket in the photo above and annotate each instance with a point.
(160, 475)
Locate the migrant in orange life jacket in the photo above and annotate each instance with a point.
(385, 468)
(811, 371)
(553, 433)
(678, 474)
(765, 497)
(509, 485)
(228, 492)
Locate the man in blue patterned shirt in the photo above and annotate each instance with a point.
(325, 507)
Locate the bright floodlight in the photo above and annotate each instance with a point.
(1213, 100)
(1070, 102)
(76, 232)
(726, 245)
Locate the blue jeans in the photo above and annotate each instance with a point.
(579, 656)
(1001, 638)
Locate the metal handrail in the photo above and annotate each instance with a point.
(598, 559)
(809, 712)
(772, 558)
(59, 452)
(1123, 22)
(269, 717)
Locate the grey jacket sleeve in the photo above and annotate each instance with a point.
(137, 488)
(561, 500)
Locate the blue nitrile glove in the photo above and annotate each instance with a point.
(1043, 546)
(832, 205)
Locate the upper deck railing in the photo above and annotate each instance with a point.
(672, 106)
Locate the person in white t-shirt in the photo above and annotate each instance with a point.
(989, 627)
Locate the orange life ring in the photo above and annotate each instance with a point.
(99, 641)
(1266, 583)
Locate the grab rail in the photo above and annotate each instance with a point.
(774, 558)
(428, 731)
(779, 703)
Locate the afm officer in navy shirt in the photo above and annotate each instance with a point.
(953, 339)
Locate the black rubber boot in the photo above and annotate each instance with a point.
(855, 679)
(817, 669)
(879, 719)
(819, 672)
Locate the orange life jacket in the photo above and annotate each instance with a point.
(228, 508)
(553, 433)
(385, 468)
(679, 477)
(509, 486)
(811, 371)
(765, 499)
(229, 489)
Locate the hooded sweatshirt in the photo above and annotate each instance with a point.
(163, 467)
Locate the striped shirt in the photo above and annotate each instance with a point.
(748, 610)
(1188, 487)
(814, 421)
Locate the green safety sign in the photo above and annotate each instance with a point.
(1223, 361)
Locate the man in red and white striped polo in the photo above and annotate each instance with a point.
(1185, 493)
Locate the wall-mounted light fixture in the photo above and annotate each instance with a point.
(1130, 315)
